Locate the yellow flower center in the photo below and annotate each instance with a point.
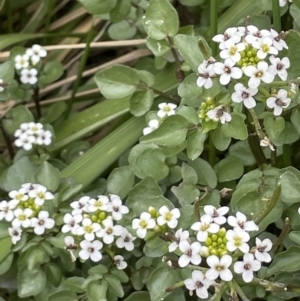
(88, 229)
(168, 216)
(143, 224)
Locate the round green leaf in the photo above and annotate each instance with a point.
(290, 185)
(122, 30)
(161, 20)
(36, 255)
(195, 143)
(117, 81)
(189, 88)
(171, 132)
(155, 247)
(48, 176)
(158, 48)
(221, 142)
(30, 283)
(189, 114)
(236, 128)
(230, 168)
(98, 7)
(7, 71)
(274, 126)
(295, 236)
(138, 296)
(114, 285)
(5, 249)
(186, 193)
(53, 273)
(141, 102)
(51, 72)
(6, 263)
(120, 11)
(97, 291)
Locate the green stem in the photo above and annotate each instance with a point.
(286, 155)
(175, 286)
(196, 210)
(9, 17)
(36, 98)
(256, 150)
(161, 93)
(240, 291)
(212, 150)
(270, 204)
(48, 19)
(284, 232)
(81, 68)
(213, 25)
(258, 129)
(276, 15)
(7, 140)
(233, 293)
(179, 73)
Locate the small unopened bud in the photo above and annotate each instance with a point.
(152, 211)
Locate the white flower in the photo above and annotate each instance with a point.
(99, 204)
(279, 102)
(227, 71)
(237, 239)
(264, 47)
(22, 218)
(119, 262)
(42, 223)
(70, 242)
(29, 76)
(143, 223)
(2, 85)
(35, 128)
(219, 113)
(205, 72)
(168, 217)
(21, 130)
(36, 52)
(190, 253)
(71, 223)
(247, 267)
(166, 109)
(18, 195)
(6, 210)
(180, 237)
(262, 249)
(152, 126)
(216, 214)
(125, 240)
(15, 233)
(279, 66)
(230, 34)
(40, 195)
(88, 229)
(109, 231)
(266, 142)
(21, 61)
(199, 283)
(91, 250)
(205, 226)
(116, 208)
(80, 205)
(29, 186)
(243, 94)
(258, 74)
(233, 51)
(44, 138)
(254, 34)
(240, 221)
(25, 141)
(278, 42)
(219, 267)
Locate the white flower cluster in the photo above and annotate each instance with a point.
(249, 56)
(32, 133)
(219, 245)
(26, 63)
(164, 216)
(93, 223)
(23, 210)
(284, 2)
(165, 109)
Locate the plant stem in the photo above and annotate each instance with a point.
(286, 155)
(213, 25)
(196, 210)
(175, 286)
(81, 68)
(283, 234)
(276, 15)
(7, 140)
(233, 293)
(173, 50)
(258, 129)
(36, 98)
(158, 92)
(212, 150)
(270, 204)
(240, 291)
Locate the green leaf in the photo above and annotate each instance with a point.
(114, 285)
(4, 229)
(274, 126)
(155, 247)
(186, 193)
(74, 284)
(158, 48)
(146, 77)
(230, 168)
(120, 181)
(242, 151)
(206, 175)
(295, 119)
(295, 12)
(189, 88)
(189, 114)
(117, 81)
(189, 174)
(120, 274)
(53, 273)
(141, 102)
(97, 291)
(14, 38)
(160, 279)
(99, 269)
(195, 143)
(36, 255)
(7, 71)
(295, 236)
(189, 50)
(221, 142)
(139, 296)
(5, 249)
(120, 11)
(151, 163)
(15, 117)
(290, 185)
(63, 295)
(6, 263)
(287, 261)
(236, 128)
(161, 20)
(98, 7)
(19, 173)
(54, 112)
(51, 72)
(122, 30)
(171, 132)
(30, 283)
(48, 176)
